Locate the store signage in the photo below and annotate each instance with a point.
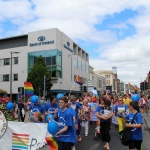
(67, 47)
(42, 41)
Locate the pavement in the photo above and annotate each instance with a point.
(88, 143)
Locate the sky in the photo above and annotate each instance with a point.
(113, 32)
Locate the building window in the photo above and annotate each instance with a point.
(6, 77)
(83, 67)
(15, 77)
(79, 65)
(108, 82)
(75, 63)
(87, 68)
(107, 76)
(15, 60)
(6, 61)
(53, 60)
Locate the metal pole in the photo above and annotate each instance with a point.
(11, 77)
(71, 68)
(44, 87)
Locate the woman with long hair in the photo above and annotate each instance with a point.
(105, 121)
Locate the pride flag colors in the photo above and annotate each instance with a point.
(20, 141)
(78, 80)
(28, 89)
(51, 141)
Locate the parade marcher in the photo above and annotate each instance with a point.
(136, 128)
(142, 104)
(21, 110)
(119, 109)
(76, 107)
(51, 106)
(37, 117)
(126, 99)
(36, 108)
(105, 123)
(86, 116)
(67, 133)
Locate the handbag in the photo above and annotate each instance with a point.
(127, 134)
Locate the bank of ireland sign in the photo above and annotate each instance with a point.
(3, 124)
(67, 46)
(41, 41)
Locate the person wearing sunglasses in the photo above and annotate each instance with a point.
(119, 109)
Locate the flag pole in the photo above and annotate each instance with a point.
(71, 88)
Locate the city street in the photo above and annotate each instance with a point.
(89, 144)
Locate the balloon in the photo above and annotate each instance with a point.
(10, 106)
(94, 92)
(34, 99)
(59, 96)
(136, 97)
(47, 117)
(52, 127)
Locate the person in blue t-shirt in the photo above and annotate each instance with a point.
(52, 106)
(136, 127)
(105, 122)
(38, 117)
(67, 132)
(119, 109)
(76, 107)
(36, 108)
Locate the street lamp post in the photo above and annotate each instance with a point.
(11, 53)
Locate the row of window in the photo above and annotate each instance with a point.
(6, 61)
(83, 67)
(6, 78)
(107, 76)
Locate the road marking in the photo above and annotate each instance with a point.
(94, 146)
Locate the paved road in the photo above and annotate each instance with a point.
(89, 144)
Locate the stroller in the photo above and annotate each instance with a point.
(97, 135)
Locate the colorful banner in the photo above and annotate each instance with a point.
(24, 136)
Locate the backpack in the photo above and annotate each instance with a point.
(127, 134)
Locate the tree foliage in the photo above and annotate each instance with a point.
(37, 73)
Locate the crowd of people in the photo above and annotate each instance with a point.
(87, 112)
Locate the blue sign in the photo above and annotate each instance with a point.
(67, 47)
(41, 38)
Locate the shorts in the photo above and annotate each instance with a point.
(135, 144)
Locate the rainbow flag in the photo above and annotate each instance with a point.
(20, 141)
(28, 89)
(78, 80)
(51, 141)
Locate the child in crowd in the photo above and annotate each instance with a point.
(38, 117)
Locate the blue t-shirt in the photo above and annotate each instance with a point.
(37, 108)
(75, 107)
(51, 108)
(72, 111)
(65, 118)
(100, 110)
(121, 108)
(136, 133)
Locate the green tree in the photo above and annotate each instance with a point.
(37, 73)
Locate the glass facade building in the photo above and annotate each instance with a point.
(53, 60)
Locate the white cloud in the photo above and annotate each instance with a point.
(78, 19)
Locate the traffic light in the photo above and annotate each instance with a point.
(85, 89)
(141, 86)
(21, 90)
(48, 84)
(146, 85)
